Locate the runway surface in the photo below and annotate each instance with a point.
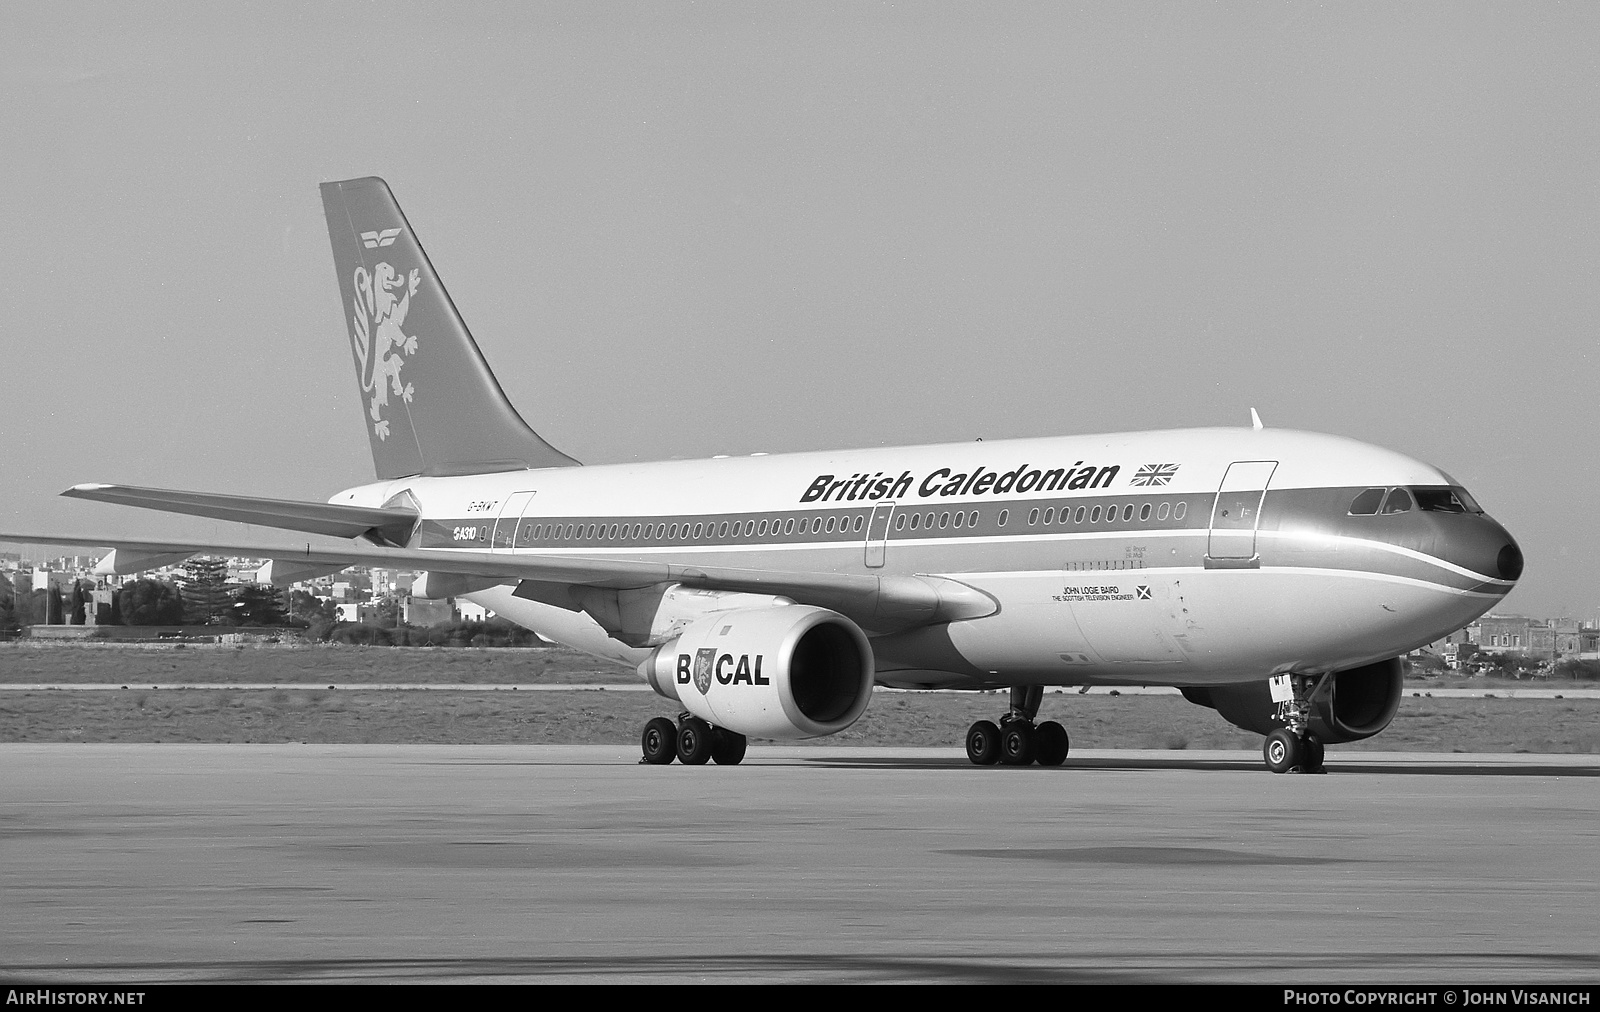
(1098, 690)
(148, 863)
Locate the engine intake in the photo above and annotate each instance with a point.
(1351, 705)
(791, 671)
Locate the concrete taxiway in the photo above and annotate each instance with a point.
(145, 863)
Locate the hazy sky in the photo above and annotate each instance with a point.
(686, 229)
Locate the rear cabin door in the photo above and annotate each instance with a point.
(505, 528)
(1238, 510)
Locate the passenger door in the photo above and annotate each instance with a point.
(504, 537)
(1238, 510)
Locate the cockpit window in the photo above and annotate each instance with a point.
(1399, 501)
(1446, 500)
(1367, 503)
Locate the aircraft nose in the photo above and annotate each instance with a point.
(1509, 560)
(1483, 546)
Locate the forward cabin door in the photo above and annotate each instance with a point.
(878, 535)
(505, 528)
(1237, 512)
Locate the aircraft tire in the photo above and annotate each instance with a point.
(1016, 743)
(695, 741)
(983, 743)
(728, 747)
(1050, 744)
(1283, 751)
(1314, 755)
(659, 743)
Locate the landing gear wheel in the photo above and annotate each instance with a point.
(1313, 757)
(1016, 743)
(983, 743)
(659, 743)
(695, 741)
(727, 747)
(1283, 751)
(1050, 744)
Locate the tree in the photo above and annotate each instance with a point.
(75, 608)
(206, 595)
(10, 614)
(150, 602)
(258, 604)
(309, 609)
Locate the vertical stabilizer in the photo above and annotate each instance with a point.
(429, 401)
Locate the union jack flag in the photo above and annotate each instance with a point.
(1154, 474)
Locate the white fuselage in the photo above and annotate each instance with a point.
(1179, 557)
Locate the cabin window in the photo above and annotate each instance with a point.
(1033, 517)
(1180, 510)
(944, 520)
(613, 534)
(916, 520)
(972, 521)
(761, 531)
(1004, 516)
(1144, 512)
(860, 521)
(1367, 503)
(722, 529)
(697, 530)
(1094, 515)
(900, 522)
(672, 532)
(1050, 515)
(1399, 501)
(1127, 513)
(830, 525)
(961, 519)
(788, 526)
(1163, 510)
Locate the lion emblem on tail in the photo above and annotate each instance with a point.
(382, 300)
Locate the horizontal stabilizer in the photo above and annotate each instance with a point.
(382, 525)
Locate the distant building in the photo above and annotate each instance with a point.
(420, 611)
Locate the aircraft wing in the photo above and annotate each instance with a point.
(875, 602)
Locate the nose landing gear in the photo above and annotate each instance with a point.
(1292, 749)
(1017, 740)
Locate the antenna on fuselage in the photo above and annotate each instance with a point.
(1255, 420)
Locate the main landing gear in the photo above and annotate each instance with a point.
(691, 741)
(1292, 749)
(1017, 740)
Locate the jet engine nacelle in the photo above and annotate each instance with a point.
(1347, 706)
(790, 671)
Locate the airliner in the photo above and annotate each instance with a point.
(1275, 576)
